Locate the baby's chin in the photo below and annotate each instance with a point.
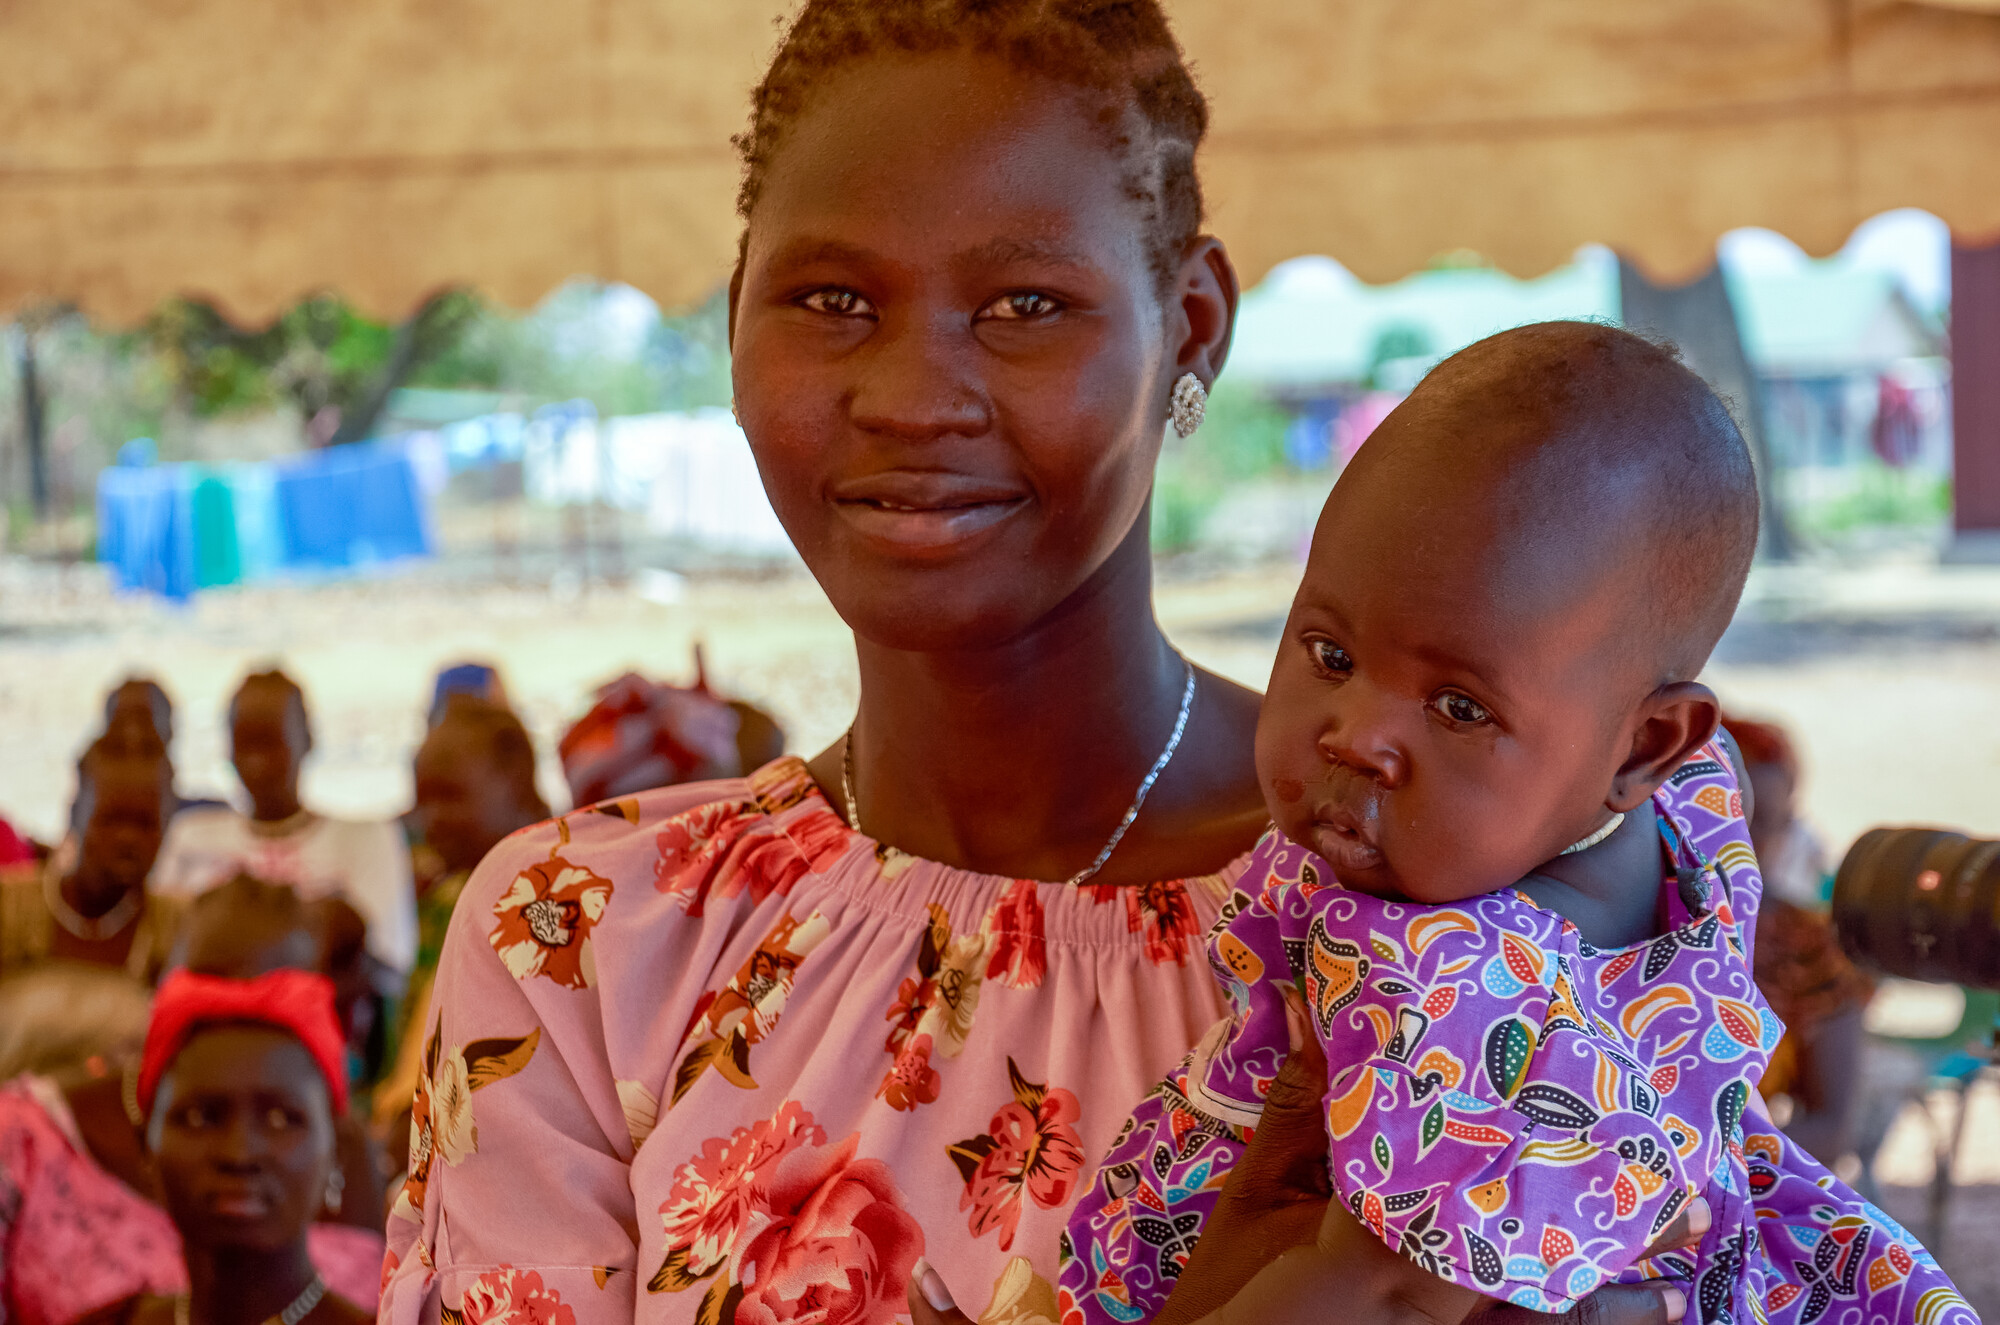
(1366, 868)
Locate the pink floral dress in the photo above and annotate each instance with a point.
(707, 1055)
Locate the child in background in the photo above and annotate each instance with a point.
(1511, 886)
(1812, 986)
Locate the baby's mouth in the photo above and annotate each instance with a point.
(1346, 839)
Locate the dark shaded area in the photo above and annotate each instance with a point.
(1975, 352)
(1700, 321)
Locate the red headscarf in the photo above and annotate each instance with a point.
(300, 1003)
(1763, 743)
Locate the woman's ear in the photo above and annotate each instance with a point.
(1673, 722)
(1205, 298)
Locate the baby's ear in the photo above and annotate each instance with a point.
(1672, 723)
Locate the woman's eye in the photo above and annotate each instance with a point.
(838, 303)
(1461, 708)
(1023, 306)
(1330, 657)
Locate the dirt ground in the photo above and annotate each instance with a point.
(1889, 676)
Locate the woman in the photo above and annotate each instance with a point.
(88, 903)
(240, 1083)
(744, 1050)
(81, 1218)
(367, 863)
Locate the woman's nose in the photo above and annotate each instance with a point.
(1359, 733)
(916, 381)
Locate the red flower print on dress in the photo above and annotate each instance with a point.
(690, 844)
(1163, 911)
(911, 1080)
(510, 1297)
(727, 848)
(719, 1192)
(838, 1250)
(1019, 954)
(913, 1000)
(791, 1229)
(546, 916)
(727, 1023)
(821, 836)
(1029, 1148)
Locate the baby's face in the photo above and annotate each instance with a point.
(1441, 718)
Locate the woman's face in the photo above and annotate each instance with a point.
(950, 353)
(242, 1137)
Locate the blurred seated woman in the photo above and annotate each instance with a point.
(1812, 986)
(475, 784)
(89, 903)
(81, 1218)
(240, 1084)
(365, 863)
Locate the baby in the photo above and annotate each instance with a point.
(1511, 879)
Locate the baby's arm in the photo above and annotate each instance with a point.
(1131, 1232)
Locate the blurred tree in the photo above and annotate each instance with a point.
(321, 355)
(1398, 340)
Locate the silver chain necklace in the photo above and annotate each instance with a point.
(1117, 834)
(301, 1306)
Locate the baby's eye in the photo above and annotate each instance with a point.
(1020, 306)
(835, 302)
(278, 1120)
(1461, 708)
(1330, 657)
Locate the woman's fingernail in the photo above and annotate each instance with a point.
(931, 1284)
(1676, 1300)
(1700, 1217)
(1295, 1017)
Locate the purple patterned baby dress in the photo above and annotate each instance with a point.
(1514, 1109)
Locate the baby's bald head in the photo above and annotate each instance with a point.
(1576, 455)
(1510, 593)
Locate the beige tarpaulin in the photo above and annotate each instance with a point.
(250, 151)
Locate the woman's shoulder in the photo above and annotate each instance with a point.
(636, 822)
(683, 840)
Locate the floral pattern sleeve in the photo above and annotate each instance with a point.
(508, 1111)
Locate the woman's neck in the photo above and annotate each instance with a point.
(237, 1286)
(91, 893)
(1020, 759)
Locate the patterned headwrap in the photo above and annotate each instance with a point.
(300, 1003)
(641, 734)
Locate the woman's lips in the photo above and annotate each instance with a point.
(239, 1204)
(919, 509)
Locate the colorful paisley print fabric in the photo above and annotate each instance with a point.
(706, 1055)
(1511, 1108)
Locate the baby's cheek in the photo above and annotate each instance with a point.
(1288, 791)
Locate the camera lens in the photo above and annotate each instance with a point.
(1923, 904)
